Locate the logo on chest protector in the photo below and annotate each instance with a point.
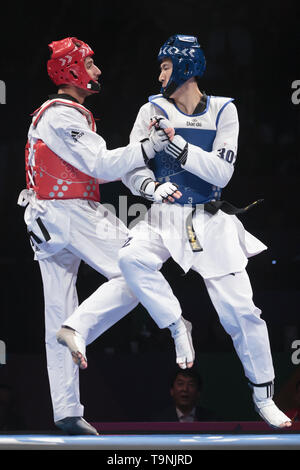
(194, 123)
(76, 135)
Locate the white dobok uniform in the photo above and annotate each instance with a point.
(71, 230)
(226, 245)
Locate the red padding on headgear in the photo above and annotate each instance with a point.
(61, 48)
(66, 65)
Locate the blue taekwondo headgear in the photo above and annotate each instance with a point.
(187, 58)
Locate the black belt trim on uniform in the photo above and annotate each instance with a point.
(192, 237)
(213, 207)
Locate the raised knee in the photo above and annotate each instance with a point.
(131, 259)
(126, 258)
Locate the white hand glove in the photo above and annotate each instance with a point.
(161, 122)
(157, 192)
(156, 142)
(178, 149)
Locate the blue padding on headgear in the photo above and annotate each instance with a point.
(187, 58)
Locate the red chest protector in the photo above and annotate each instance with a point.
(49, 175)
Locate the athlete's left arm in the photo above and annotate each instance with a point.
(134, 179)
(215, 167)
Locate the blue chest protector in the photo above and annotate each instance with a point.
(194, 189)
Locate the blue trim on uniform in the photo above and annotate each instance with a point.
(152, 98)
(219, 113)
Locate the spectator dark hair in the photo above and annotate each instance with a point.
(192, 372)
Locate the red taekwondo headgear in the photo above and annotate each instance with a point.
(66, 65)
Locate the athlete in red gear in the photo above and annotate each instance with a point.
(66, 224)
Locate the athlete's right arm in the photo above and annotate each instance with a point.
(134, 179)
(141, 181)
(65, 131)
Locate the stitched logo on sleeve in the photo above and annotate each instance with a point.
(76, 135)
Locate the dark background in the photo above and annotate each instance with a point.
(252, 53)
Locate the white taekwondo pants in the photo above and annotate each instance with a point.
(86, 232)
(140, 261)
(96, 242)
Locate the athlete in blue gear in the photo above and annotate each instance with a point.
(187, 59)
(199, 230)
